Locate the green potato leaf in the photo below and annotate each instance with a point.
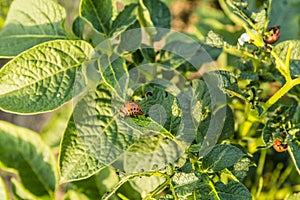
(98, 13)
(232, 190)
(222, 156)
(37, 82)
(295, 153)
(97, 136)
(78, 26)
(4, 6)
(156, 15)
(29, 23)
(124, 20)
(52, 132)
(185, 183)
(20, 192)
(289, 52)
(24, 151)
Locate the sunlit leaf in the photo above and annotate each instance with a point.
(289, 50)
(124, 19)
(53, 130)
(36, 81)
(29, 23)
(146, 184)
(294, 196)
(74, 195)
(4, 6)
(92, 138)
(3, 190)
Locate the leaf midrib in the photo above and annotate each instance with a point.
(63, 69)
(39, 80)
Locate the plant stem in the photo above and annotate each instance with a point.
(122, 197)
(173, 191)
(232, 16)
(284, 69)
(282, 91)
(284, 175)
(158, 189)
(288, 57)
(257, 185)
(108, 195)
(268, 15)
(238, 52)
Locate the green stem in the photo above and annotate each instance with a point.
(288, 57)
(158, 189)
(284, 175)
(232, 16)
(122, 197)
(259, 172)
(227, 171)
(282, 91)
(238, 52)
(273, 181)
(268, 15)
(173, 191)
(107, 196)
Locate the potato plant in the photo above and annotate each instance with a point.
(141, 111)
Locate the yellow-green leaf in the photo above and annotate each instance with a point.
(29, 23)
(36, 81)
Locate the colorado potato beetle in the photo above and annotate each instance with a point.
(273, 34)
(130, 108)
(279, 146)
